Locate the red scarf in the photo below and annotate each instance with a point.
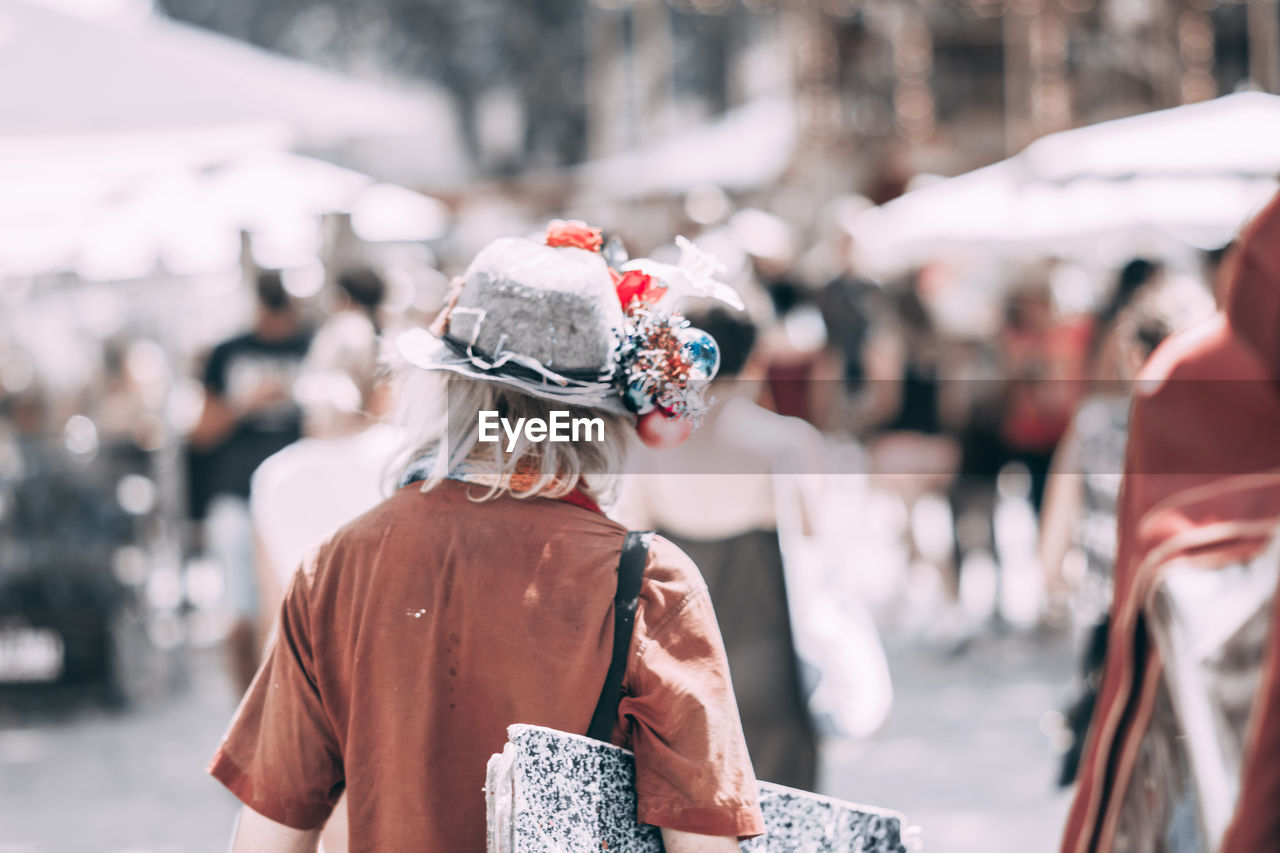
(523, 478)
(580, 498)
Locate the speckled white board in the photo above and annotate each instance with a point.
(550, 792)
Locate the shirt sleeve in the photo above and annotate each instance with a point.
(692, 769)
(280, 756)
(215, 380)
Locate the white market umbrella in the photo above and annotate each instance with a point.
(750, 146)
(191, 219)
(52, 188)
(112, 210)
(1097, 194)
(62, 75)
(1232, 136)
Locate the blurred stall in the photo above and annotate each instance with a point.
(1162, 183)
(708, 153)
(143, 74)
(141, 183)
(649, 186)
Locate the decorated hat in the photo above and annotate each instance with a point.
(571, 320)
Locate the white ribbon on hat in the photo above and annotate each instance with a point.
(502, 357)
(696, 274)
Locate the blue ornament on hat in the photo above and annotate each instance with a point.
(700, 350)
(638, 396)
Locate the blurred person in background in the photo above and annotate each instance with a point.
(1083, 489)
(249, 413)
(1136, 277)
(116, 403)
(853, 309)
(360, 290)
(902, 365)
(1020, 393)
(29, 413)
(1185, 748)
(907, 411)
(1042, 356)
(976, 374)
(301, 495)
(125, 400)
(1081, 496)
(482, 593)
(61, 522)
(723, 515)
(802, 372)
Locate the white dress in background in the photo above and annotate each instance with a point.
(301, 495)
(719, 483)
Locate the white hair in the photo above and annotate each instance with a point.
(439, 413)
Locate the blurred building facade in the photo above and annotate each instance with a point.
(881, 88)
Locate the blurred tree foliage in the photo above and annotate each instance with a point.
(533, 48)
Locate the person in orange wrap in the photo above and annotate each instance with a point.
(1201, 492)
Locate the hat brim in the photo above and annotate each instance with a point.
(423, 350)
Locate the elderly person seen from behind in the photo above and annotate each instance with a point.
(481, 593)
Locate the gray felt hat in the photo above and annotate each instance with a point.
(543, 319)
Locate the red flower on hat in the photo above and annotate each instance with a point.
(637, 286)
(573, 234)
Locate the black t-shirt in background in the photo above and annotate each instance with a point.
(237, 370)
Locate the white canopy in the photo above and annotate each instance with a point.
(115, 216)
(1187, 176)
(1232, 136)
(61, 75)
(747, 147)
(124, 142)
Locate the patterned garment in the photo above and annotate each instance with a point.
(1101, 429)
(549, 790)
(1210, 629)
(1160, 808)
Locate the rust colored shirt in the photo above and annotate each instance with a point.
(416, 635)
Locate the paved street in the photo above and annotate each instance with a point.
(120, 783)
(962, 756)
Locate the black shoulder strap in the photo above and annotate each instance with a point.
(635, 552)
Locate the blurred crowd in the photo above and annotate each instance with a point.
(153, 410)
(955, 416)
(171, 450)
